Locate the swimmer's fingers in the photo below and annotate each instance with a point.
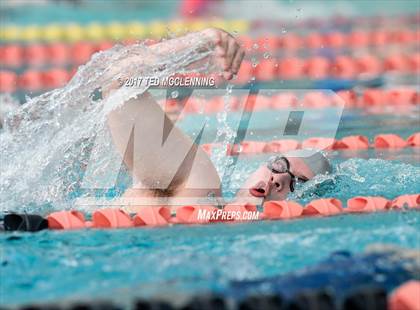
(216, 39)
(227, 60)
(233, 58)
(221, 42)
(227, 75)
(232, 50)
(222, 50)
(236, 63)
(227, 51)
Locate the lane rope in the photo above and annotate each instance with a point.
(152, 216)
(353, 143)
(38, 54)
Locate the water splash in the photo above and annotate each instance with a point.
(225, 135)
(47, 143)
(356, 176)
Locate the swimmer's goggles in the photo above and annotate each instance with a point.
(280, 164)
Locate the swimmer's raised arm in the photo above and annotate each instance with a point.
(137, 125)
(156, 164)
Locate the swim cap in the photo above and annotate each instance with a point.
(314, 159)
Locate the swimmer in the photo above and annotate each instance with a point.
(281, 174)
(165, 172)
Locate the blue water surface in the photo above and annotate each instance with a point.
(52, 265)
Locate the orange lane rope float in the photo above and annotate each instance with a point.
(35, 53)
(357, 142)
(152, 216)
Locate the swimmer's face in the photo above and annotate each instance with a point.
(264, 183)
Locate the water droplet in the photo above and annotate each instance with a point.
(229, 88)
(267, 55)
(254, 62)
(174, 94)
(211, 194)
(255, 46)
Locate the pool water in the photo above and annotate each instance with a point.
(44, 157)
(172, 261)
(55, 265)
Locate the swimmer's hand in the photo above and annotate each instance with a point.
(228, 52)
